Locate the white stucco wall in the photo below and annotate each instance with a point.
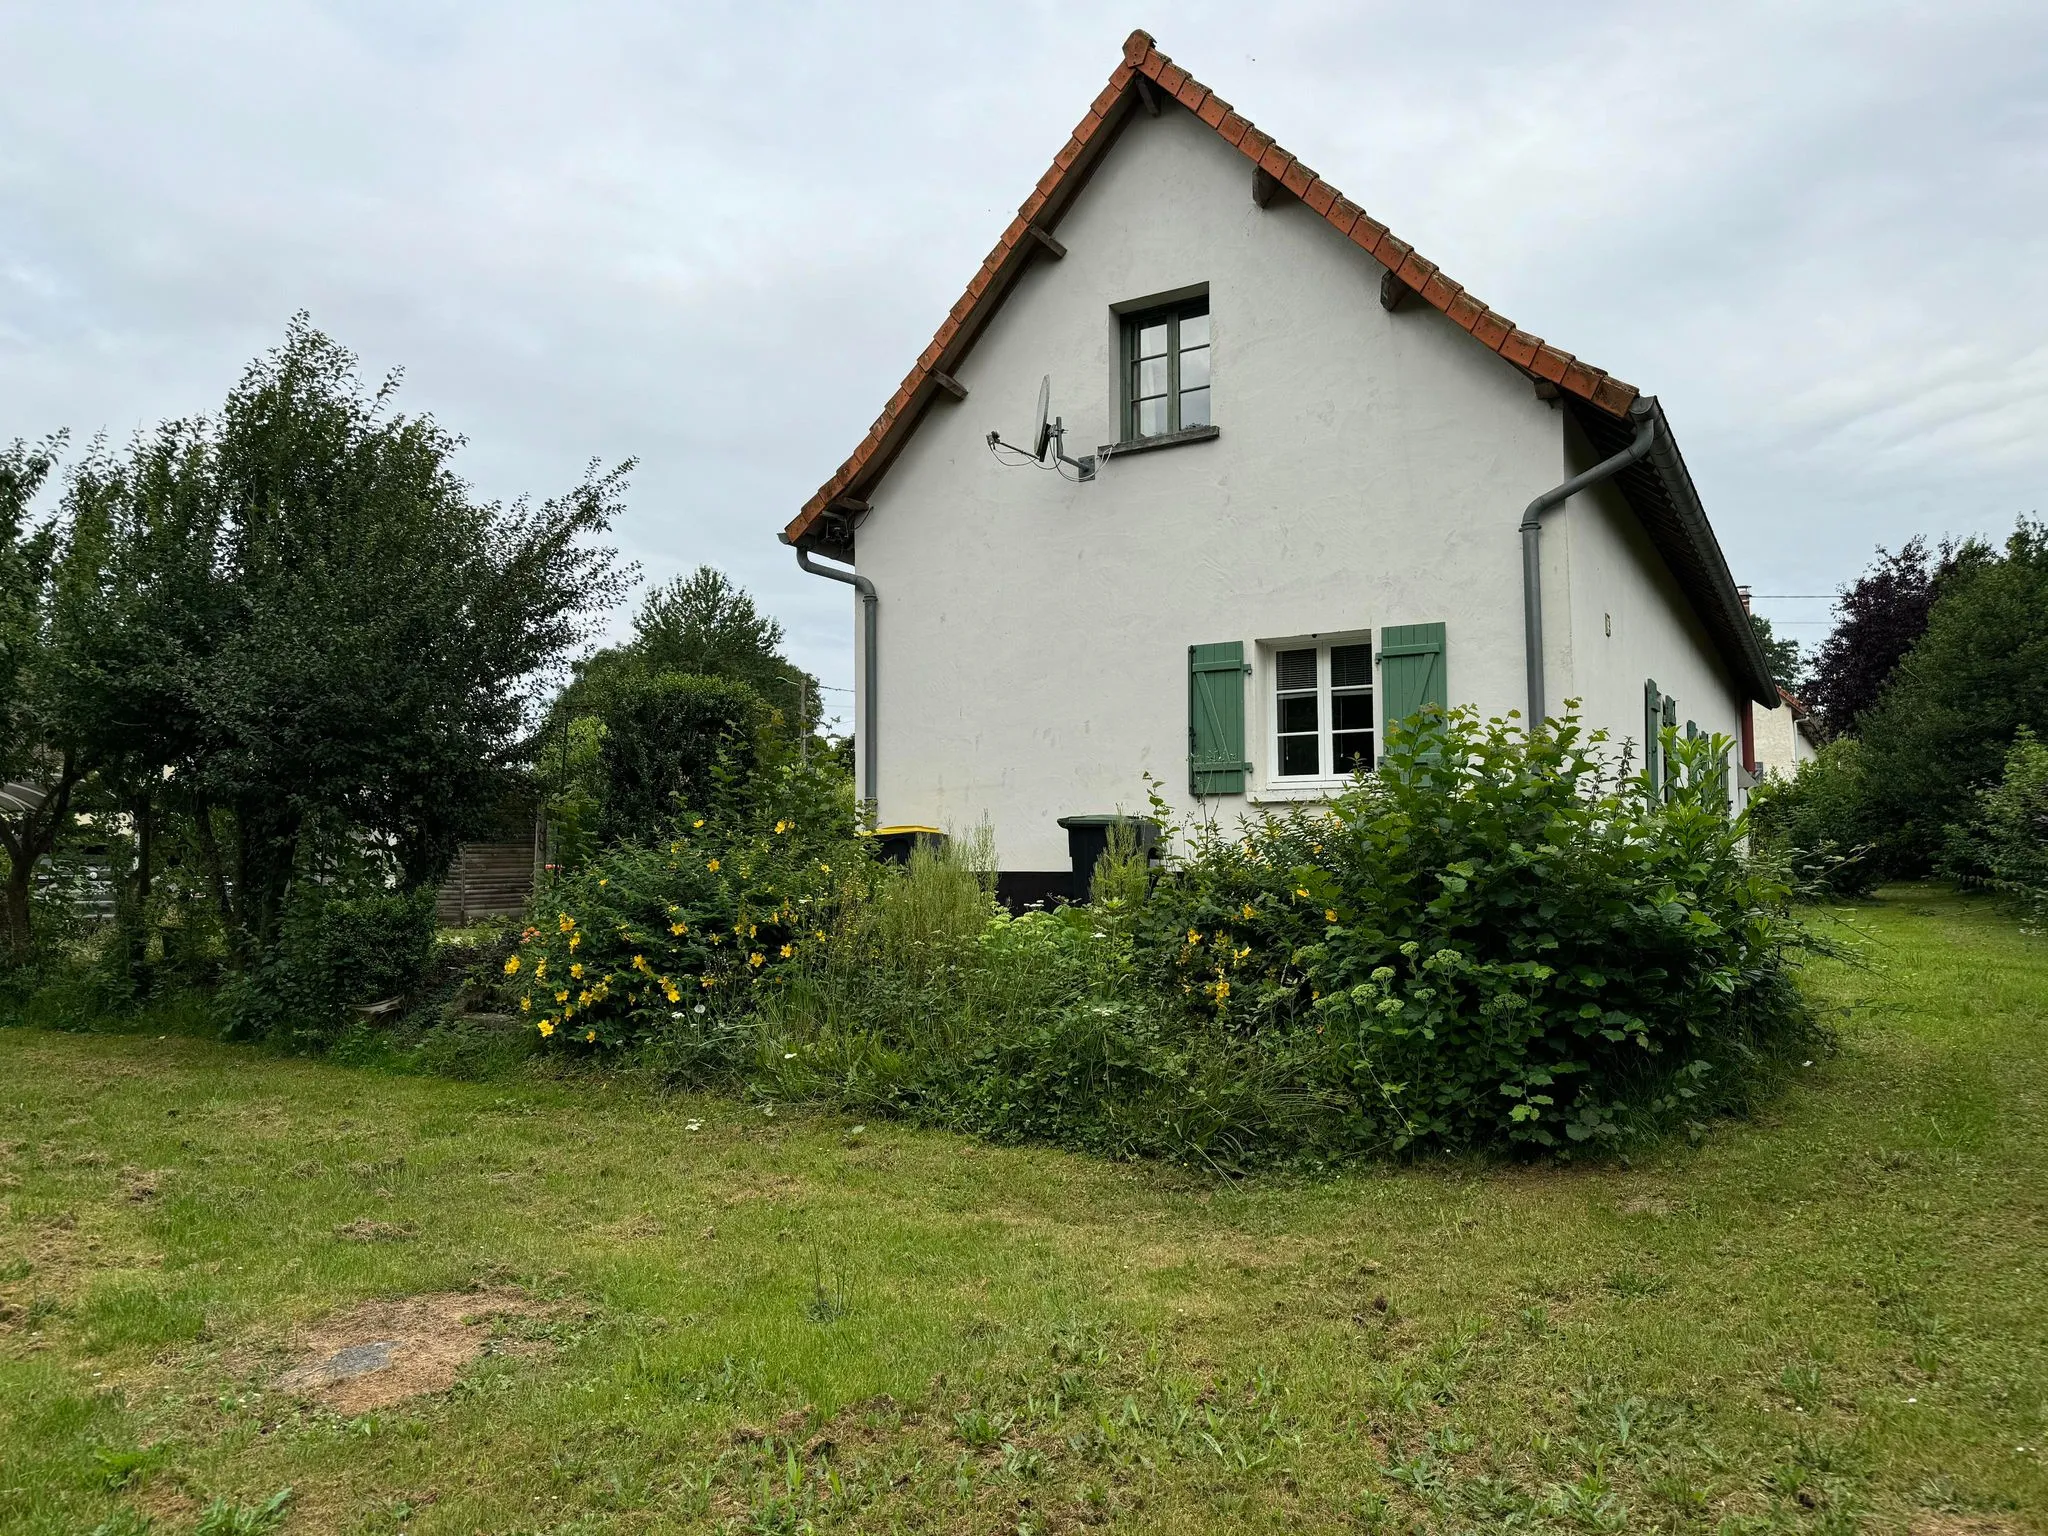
(1371, 470)
(1627, 623)
(1781, 744)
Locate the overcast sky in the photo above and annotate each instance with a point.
(713, 237)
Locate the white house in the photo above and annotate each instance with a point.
(1784, 737)
(1309, 496)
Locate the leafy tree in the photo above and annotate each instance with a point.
(665, 736)
(1946, 720)
(701, 625)
(2002, 845)
(1878, 619)
(386, 630)
(40, 764)
(1788, 662)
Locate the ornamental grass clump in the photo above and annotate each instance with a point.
(1493, 940)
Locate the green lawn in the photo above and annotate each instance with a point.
(1832, 1318)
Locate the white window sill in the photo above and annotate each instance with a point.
(1296, 791)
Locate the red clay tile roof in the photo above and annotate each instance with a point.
(1069, 172)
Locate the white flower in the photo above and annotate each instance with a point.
(694, 1125)
(698, 1009)
(789, 1055)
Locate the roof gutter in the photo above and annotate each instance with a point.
(1644, 411)
(869, 602)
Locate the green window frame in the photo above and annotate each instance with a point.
(1165, 370)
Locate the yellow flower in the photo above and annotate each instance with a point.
(1194, 937)
(752, 930)
(788, 950)
(605, 881)
(576, 970)
(526, 1005)
(512, 965)
(710, 981)
(670, 987)
(540, 966)
(818, 934)
(1329, 914)
(826, 867)
(591, 1035)
(574, 940)
(639, 962)
(712, 866)
(1220, 991)
(567, 922)
(547, 1027)
(675, 847)
(756, 959)
(679, 929)
(698, 822)
(562, 996)
(1301, 891)
(1250, 911)
(583, 999)
(781, 826)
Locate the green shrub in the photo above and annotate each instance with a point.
(1491, 941)
(1821, 822)
(665, 735)
(670, 939)
(333, 951)
(2003, 846)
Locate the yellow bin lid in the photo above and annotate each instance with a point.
(893, 831)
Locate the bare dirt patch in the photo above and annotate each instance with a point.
(383, 1352)
(1961, 1525)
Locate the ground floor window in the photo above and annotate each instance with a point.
(1322, 710)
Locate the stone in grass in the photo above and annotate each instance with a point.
(381, 1352)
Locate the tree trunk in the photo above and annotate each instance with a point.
(14, 906)
(26, 840)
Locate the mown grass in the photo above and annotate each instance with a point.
(1831, 1318)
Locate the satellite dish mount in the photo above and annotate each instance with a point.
(1048, 448)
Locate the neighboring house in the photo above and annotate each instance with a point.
(1785, 737)
(1305, 515)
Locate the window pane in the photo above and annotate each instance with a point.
(1194, 368)
(1298, 756)
(1295, 669)
(1298, 712)
(1353, 749)
(1152, 376)
(1151, 417)
(1194, 408)
(1350, 666)
(1152, 340)
(1351, 711)
(1194, 330)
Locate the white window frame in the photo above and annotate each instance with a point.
(1272, 784)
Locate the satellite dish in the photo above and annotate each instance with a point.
(1041, 432)
(1048, 436)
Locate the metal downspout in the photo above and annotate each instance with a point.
(1644, 410)
(868, 602)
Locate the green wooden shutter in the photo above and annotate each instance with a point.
(1412, 669)
(1653, 725)
(1668, 721)
(1216, 760)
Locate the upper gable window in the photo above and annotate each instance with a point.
(1166, 369)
